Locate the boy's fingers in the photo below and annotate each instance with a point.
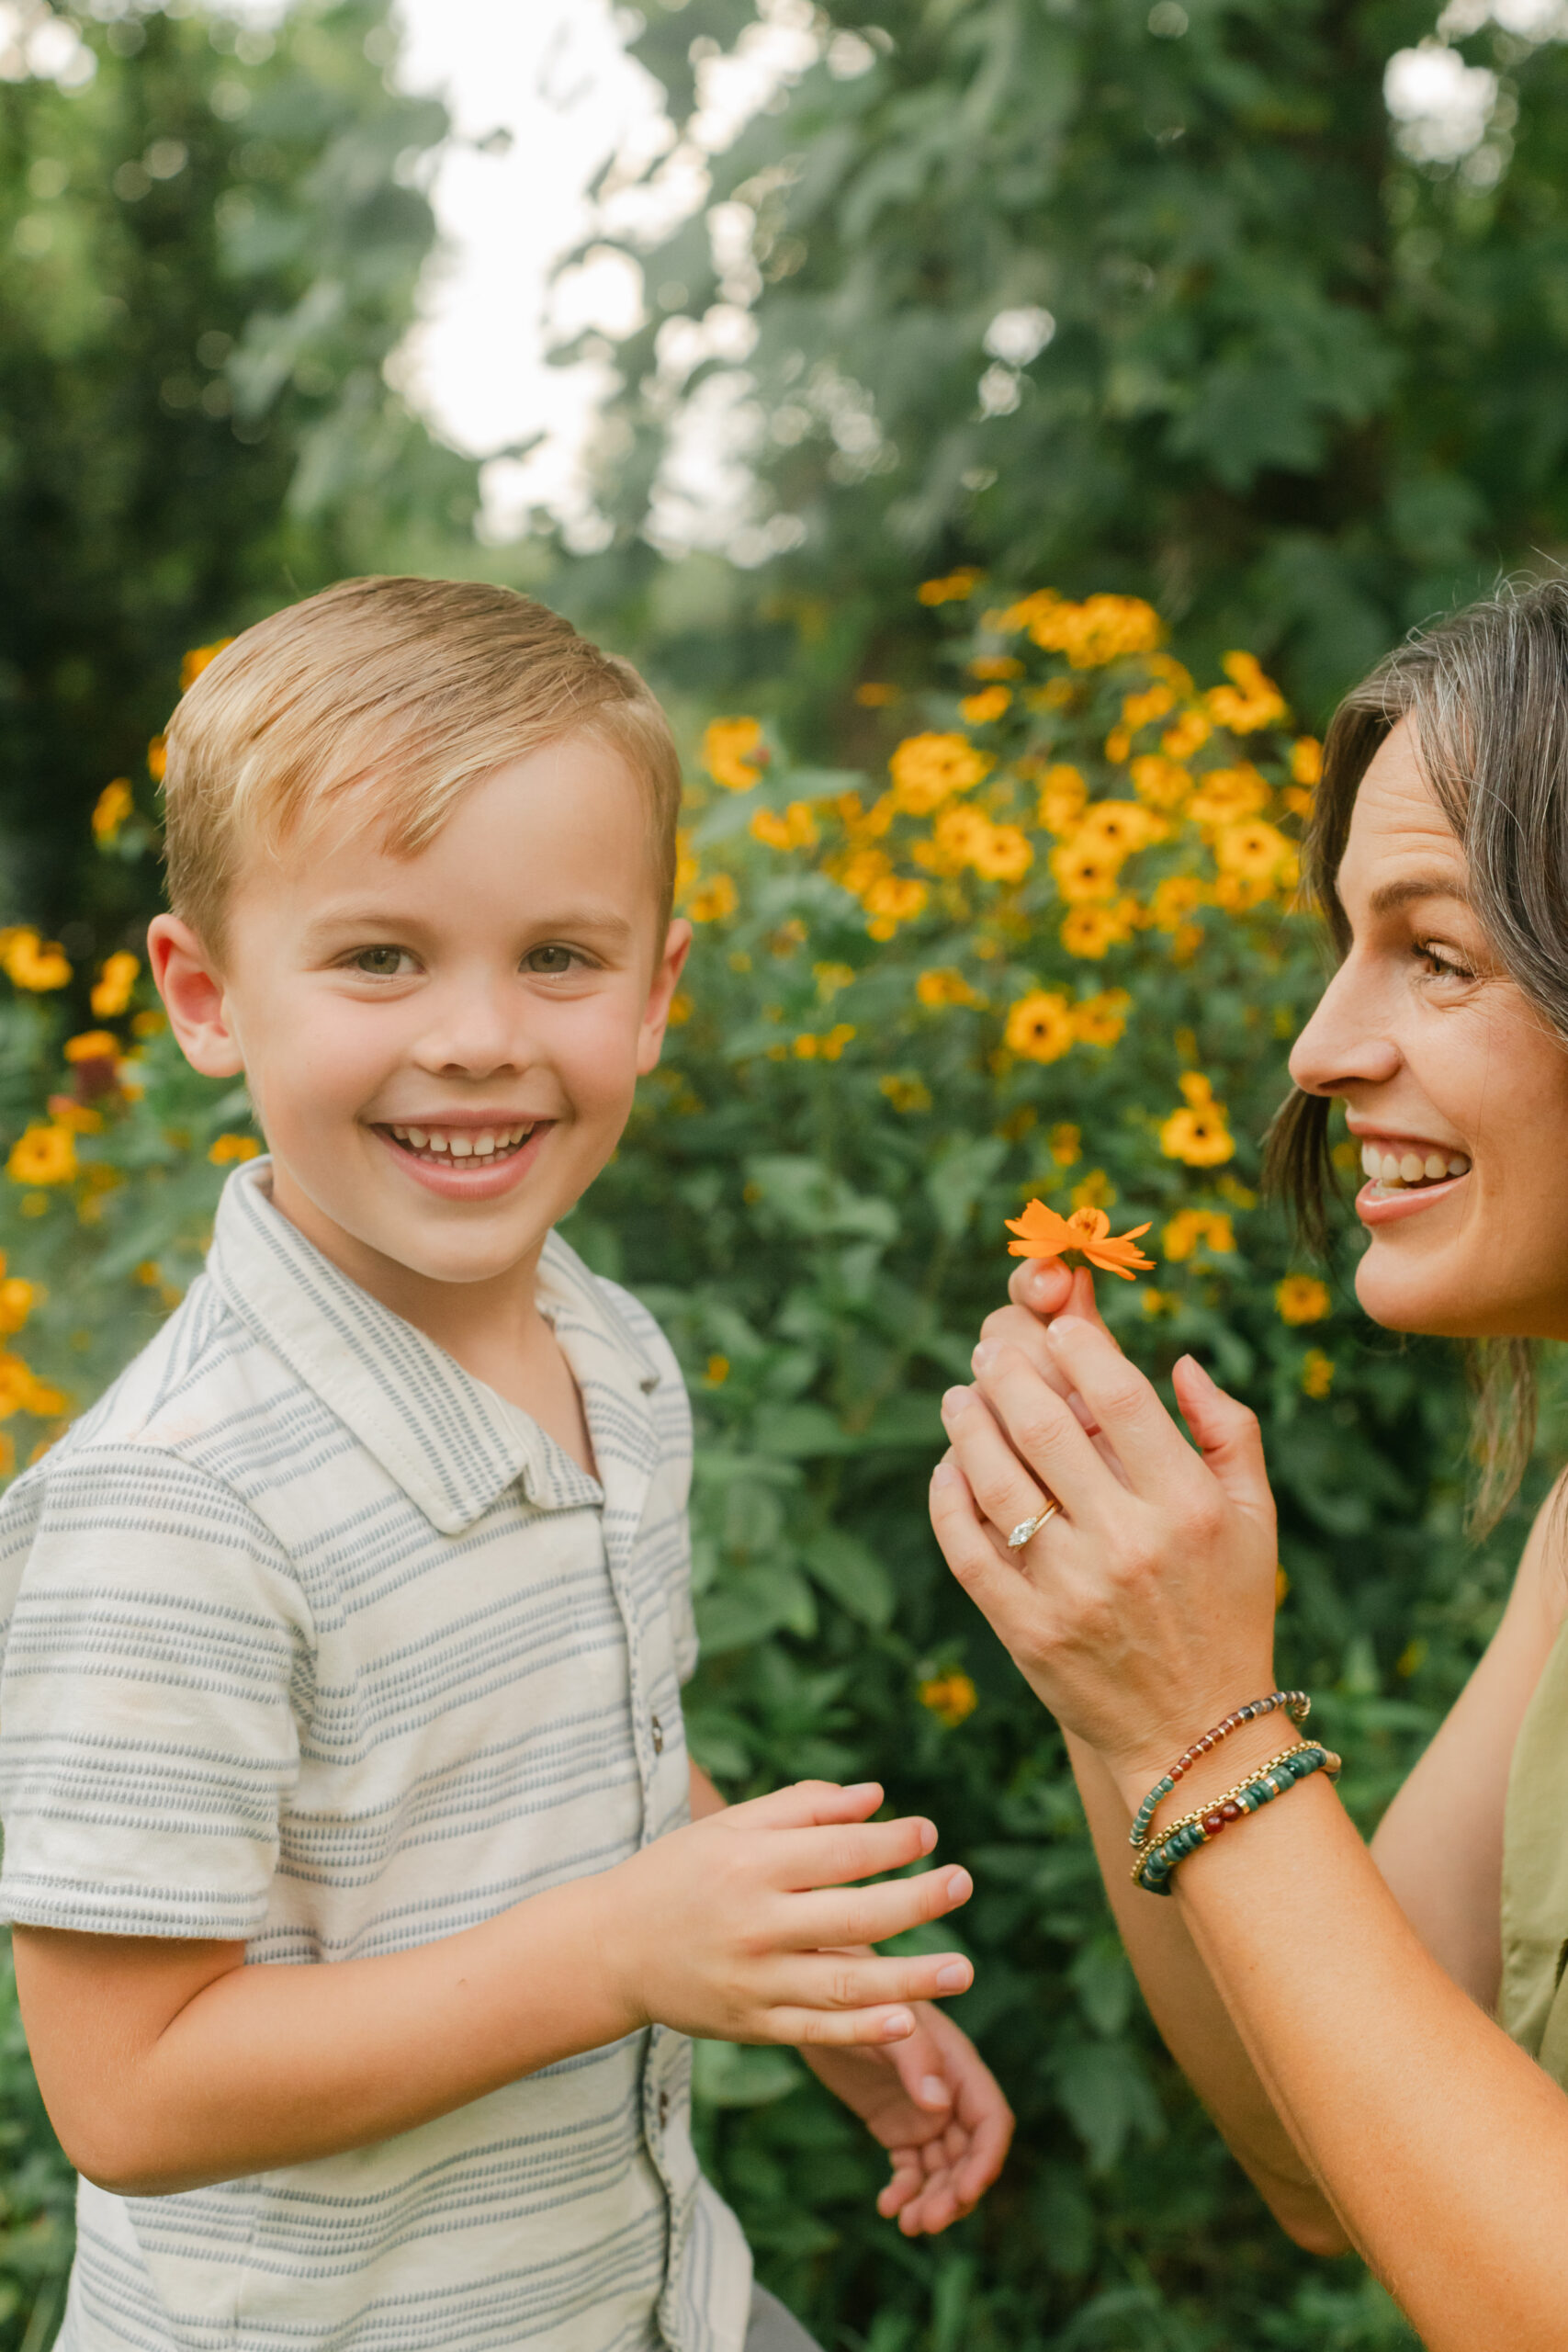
(817, 1922)
(833, 1855)
(839, 2029)
(908, 2178)
(807, 1803)
(827, 1981)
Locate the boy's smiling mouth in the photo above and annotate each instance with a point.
(445, 1145)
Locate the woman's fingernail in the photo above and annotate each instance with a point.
(954, 1977)
(960, 1886)
(944, 1475)
(1204, 1376)
(985, 1355)
(1069, 1327)
(933, 2092)
(954, 1402)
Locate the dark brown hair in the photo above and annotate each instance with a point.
(1487, 696)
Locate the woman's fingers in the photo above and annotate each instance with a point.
(1227, 1434)
(973, 1552)
(1150, 1448)
(1047, 1287)
(1037, 1443)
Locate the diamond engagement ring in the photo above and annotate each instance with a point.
(1030, 1527)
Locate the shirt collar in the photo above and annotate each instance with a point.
(450, 1442)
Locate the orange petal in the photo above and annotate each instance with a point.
(1041, 1233)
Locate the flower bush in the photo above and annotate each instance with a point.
(1049, 952)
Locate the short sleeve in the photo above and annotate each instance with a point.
(672, 1411)
(156, 1655)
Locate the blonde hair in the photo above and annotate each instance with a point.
(406, 691)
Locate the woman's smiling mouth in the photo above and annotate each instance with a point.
(1406, 1175)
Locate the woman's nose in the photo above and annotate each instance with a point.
(1345, 1042)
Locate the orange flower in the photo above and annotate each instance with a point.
(1043, 1234)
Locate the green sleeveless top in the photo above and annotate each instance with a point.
(1532, 2007)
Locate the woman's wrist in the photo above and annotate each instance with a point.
(1230, 1760)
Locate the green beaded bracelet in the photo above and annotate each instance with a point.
(1155, 1867)
(1297, 1706)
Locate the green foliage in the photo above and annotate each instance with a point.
(212, 247)
(811, 1195)
(1299, 391)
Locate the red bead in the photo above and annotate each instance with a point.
(1214, 1822)
(1229, 1812)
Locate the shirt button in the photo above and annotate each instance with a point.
(658, 1730)
(663, 2109)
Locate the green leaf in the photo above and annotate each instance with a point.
(851, 1573)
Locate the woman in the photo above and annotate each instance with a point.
(1335, 2007)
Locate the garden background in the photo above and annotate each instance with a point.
(1103, 379)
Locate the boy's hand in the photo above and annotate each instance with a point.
(939, 2111)
(734, 1928)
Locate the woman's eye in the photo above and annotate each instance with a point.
(1440, 963)
(549, 960)
(383, 963)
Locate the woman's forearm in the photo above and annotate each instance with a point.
(1195, 2025)
(1444, 2147)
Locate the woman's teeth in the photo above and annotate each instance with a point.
(463, 1143)
(1396, 1170)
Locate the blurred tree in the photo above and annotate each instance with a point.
(215, 235)
(1099, 294)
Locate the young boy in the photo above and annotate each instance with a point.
(359, 1917)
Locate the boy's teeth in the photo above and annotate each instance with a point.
(465, 1143)
(1395, 1170)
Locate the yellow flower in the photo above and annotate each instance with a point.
(717, 1371)
(1298, 799)
(44, 1155)
(1040, 1026)
(1188, 734)
(1101, 629)
(1190, 1230)
(1302, 1298)
(830, 978)
(1085, 869)
(978, 711)
(734, 752)
(861, 869)
(927, 769)
(157, 758)
(92, 1045)
(225, 1150)
(1063, 794)
(16, 1301)
(1161, 1301)
(995, 665)
(1090, 930)
(1141, 710)
(111, 990)
(797, 829)
(712, 901)
(1257, 850)
(1064, 1144)
(951, 1698)
(1162, 783)
(951, 588)
(150, 1023)
(197, 660)
(1120, 826)
(30, 963)
(895, 897)
(958, 833)
(1251, 701)
(905, 1094)
(1100, 1020)
(944, 984)
(1002, 854)
(1198, 1132)
(1317, 1373)
(1227, 795)
(872, 693)
(1118, 743)
(1306, 760)
(680, 1010)
(1096, 1191)
(1174, 899)
(113, 806)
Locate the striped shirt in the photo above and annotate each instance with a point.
(311, 1639)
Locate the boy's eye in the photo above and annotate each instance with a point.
(383, 963)
(549, 959)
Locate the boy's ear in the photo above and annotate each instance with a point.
(191, 986)
(656, 1011)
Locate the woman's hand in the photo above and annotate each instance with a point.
(937, 2109)
(1142, 1611)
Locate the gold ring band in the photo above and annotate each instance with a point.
(1027, 1528)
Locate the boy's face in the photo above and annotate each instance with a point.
(442, 1049)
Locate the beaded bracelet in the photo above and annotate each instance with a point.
(1297, 1706)
(1157, 1865)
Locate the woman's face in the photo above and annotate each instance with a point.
(1455, 1090)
